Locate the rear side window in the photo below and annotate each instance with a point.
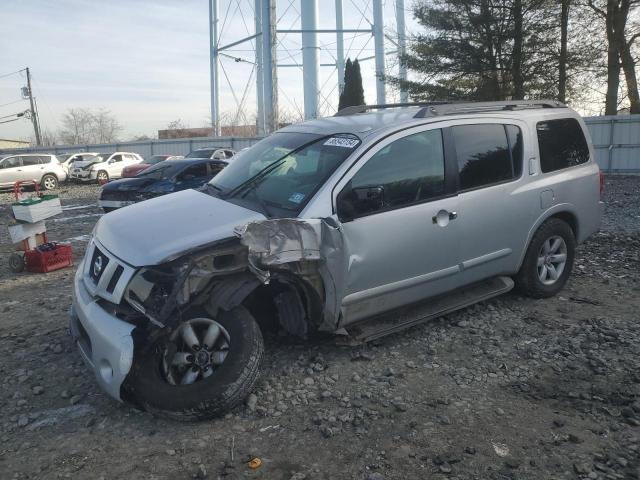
(485, 155)
(562, 144)
(30, 160)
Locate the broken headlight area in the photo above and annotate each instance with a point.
(157, 292)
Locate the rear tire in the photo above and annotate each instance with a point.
(49, 182)
(550, 254)
(228, 385)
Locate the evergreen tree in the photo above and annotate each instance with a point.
(488, 50)
(353, 93)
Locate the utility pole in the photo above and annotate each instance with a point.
(309, 21)
(378, 40)
(213, 64)
(34, 115)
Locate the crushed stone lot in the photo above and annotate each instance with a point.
(512, 388)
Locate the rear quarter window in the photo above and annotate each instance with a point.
(487, 154)
(562, 144)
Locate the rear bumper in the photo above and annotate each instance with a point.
(104, 341)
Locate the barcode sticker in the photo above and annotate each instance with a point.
(342, 142)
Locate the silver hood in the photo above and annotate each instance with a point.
(156, 230)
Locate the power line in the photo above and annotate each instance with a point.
(14, 120)
(11, 103)
(13, 115)
(12, 73)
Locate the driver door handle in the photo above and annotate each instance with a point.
(444, 213)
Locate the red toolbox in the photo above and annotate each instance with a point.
(48, 257)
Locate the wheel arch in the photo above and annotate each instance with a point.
(288, 301)
(565, 212)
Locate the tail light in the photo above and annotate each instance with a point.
(601, 183)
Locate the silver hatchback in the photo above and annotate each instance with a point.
(361, 224)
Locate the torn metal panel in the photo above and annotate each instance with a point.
(280, 241)
(287, 243)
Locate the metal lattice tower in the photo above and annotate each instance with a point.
(290, 34)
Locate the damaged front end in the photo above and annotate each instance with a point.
(291, 263)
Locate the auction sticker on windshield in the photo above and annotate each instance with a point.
(296, 197)
(342, 142)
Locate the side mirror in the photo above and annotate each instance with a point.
(111, 161)
(355, 202)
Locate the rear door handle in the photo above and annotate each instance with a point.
(443, 217)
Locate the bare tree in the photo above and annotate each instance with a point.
(76, 126)
(620, 41)
(177, 124)
(48, 138)
(105, 127)
(82, 126)
(562, 67)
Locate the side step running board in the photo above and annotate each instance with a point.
(397, 320)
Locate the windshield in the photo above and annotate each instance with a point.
(156, 159)
(283, 171)
(162, 170)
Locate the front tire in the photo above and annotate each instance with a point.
(548, 261)
(176, 381)
(49, 182)
(102, 177)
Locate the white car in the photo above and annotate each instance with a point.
(44, 169)
(103, 167)
(67, 159)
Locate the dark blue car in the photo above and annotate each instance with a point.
(165, 177)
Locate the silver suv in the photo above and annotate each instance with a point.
(363, 224)
(44, 169)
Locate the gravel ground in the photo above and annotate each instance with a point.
(512, 388)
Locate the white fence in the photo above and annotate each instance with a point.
(616, 140)
(146, 148)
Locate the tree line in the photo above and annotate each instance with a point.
(580, 51)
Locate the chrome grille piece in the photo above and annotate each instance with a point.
(105, 275)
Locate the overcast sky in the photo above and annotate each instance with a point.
(147, 61)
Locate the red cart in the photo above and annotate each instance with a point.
(43, 258)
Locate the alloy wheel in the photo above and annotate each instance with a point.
(196, 349)
(49, 183)
(552, 259)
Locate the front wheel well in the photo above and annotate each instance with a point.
(285, 303)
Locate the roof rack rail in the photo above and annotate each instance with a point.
(451, 108)
(364, 108)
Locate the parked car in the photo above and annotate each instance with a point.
(217, 153)
(363, 224)
(44, 169)
(67, 159)
(165, 177)
(103, 167)
(133, 170)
